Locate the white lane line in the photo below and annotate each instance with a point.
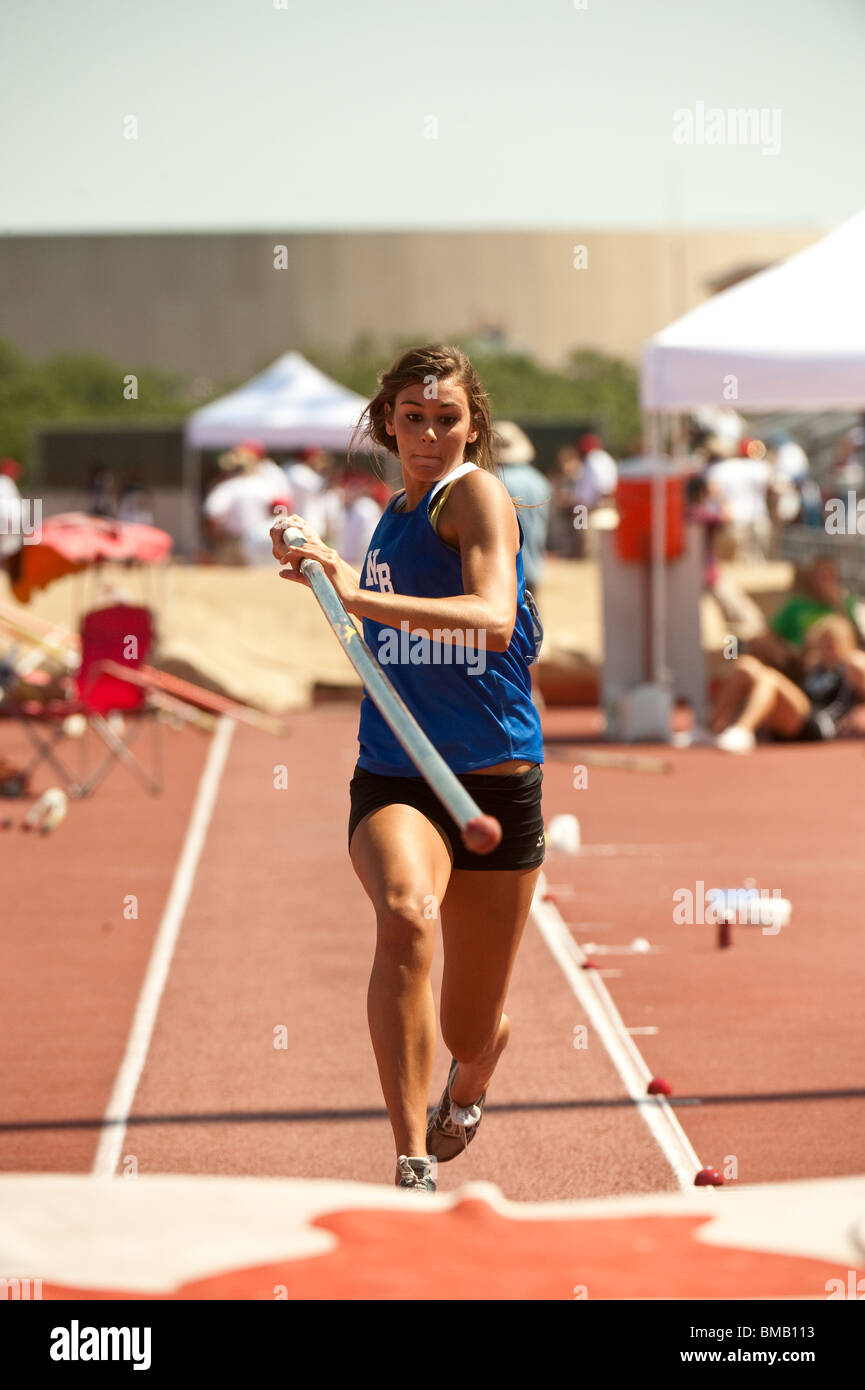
(138, 1043)
(626, 1057)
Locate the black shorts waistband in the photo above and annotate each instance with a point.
(489, 780)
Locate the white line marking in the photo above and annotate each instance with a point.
(648, 1030)
(626, 1057)
(138, 1043)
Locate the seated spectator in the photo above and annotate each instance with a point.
(816, 593)
(818, 707)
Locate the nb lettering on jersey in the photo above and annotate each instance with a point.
(378, 574)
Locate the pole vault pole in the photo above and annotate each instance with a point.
(480, 833)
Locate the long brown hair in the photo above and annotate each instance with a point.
(419, 366)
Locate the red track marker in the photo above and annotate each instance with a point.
(659, 1086)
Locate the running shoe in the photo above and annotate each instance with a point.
(415, 1174)
(451, 1127)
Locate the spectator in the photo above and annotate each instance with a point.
(788, 458)
(572, 486)
(364, 499)
(266, 468)
(240, 509)
(598, 464)
(514, 454)
(135, 505)
(308, 475)
(817, 707)
(816, 594)
(102, 500)
(741, 487)
(11, 519)
(707, 512)
(788, 464)
(847, 473)
(739, 611)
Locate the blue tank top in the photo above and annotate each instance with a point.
(474, 705)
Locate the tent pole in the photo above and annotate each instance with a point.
(658, 548)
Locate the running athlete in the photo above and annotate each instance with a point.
(446, 612)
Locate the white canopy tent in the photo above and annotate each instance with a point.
(789, 338)
(290, 405)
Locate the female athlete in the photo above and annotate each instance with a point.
(446, 612)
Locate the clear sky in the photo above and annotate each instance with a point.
(303, 114)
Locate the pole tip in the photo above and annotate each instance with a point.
(482, 834)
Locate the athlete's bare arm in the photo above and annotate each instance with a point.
(477, 519)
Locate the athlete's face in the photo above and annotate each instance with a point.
(431, 430)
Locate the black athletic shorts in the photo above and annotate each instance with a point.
(513, 798)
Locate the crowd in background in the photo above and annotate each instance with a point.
(799, 676)
(741, 489)
(343, 504)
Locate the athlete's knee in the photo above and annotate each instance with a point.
(749, 666)
(472, 1040)
(405, 932)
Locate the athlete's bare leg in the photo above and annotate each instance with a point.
(483, 918)
(759, 697)
(404, 864)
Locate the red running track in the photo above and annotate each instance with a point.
(276, 943)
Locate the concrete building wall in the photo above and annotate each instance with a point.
(215, 306)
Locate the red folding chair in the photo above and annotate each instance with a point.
(121, 635)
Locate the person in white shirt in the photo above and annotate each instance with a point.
(598, 463)
(266, 468)
(364, 502)
(240, 510)
(307, 478)
(789, 458)
(10, 509)
(740, 486)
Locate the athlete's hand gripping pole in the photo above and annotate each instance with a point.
(480, 833)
